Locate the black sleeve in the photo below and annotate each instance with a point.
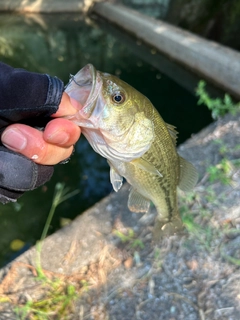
(25, 95)
(30, 98)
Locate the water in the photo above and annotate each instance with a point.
(60, 45)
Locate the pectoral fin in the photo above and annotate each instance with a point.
(146, 166)
(115, 178)
(188, 175)
(137, 202)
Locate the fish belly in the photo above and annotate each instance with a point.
(152, 187)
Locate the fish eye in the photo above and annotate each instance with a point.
(118, 97)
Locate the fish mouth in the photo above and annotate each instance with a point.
(85, 87)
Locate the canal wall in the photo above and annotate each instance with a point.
(107, 255)
(43, 6)
(210, 60)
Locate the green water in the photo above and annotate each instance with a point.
(60, 45)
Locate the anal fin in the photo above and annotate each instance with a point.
(137, 202)
(188, 175)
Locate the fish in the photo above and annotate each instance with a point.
(123, 126)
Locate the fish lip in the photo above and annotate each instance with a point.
(88, 107)
(85, 87)
(89, 70)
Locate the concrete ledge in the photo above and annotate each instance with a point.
(213, 62)
(126, 281)
(218, 64)
(38, 6)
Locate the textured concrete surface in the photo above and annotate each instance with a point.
(191, 276)
(211, 61)
(43, 6)
(219, 64)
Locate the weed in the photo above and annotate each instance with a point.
(196, 215)
(59, 296)
(237, 147)
(61, 194)
(223, 149)
(84, 285)
(229, 258)
(210, 195)
(57, 303)
(221, 172)
(219, 107)
(130, 237)
(157, 253)
(205, 234)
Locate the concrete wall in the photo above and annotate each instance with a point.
(213, 62)
(44, 5)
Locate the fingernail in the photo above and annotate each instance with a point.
(59, 137)
(14, 139)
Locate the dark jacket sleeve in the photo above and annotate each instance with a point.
(29, 98)
(25, 95)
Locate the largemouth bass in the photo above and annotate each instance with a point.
(124, 127)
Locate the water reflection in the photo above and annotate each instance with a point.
(60, 45)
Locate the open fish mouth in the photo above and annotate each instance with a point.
(85, 87)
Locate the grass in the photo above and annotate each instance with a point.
(59, 296)
(197, 208)
(56, 294)
(219, 107)
(57, 303)
(130, 238)
(221, 172)
(61, 194)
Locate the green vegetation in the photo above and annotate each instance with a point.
(57, 303)
(58, 299)
(221, 172)
(59, 292)
(130, 238)
(61, 194)
(197, 214)
(200, 209)
(219, 107)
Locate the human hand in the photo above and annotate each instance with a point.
(28, 100)
(50, 146)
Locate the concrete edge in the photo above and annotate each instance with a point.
(40, 6)
(212, 61)
(86, 235)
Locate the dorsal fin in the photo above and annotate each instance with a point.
(173, 132)
(188, 175)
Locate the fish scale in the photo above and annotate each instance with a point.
(163, 156)
(124, 127)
